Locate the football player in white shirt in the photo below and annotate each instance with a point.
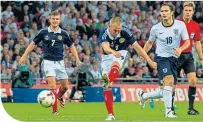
(167, 35)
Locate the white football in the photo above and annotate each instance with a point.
(46, 98)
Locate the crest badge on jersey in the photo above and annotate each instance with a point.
(60, 37)
(165, 70)
(192, 35)
(176, 32)
(46, 37)
(121, 40)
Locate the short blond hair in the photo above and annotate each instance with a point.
(54, 13)
(115, 21)
(190, 4)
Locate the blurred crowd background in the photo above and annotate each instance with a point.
(22, 20)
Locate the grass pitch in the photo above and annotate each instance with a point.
(96, 112)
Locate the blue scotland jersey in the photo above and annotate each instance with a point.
(52, 43)
(120, 42)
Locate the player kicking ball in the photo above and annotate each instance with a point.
(167, 35)
(53, 39)
(114, 41)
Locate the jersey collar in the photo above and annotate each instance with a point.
(49, 30)
(111, 37)
(169, 25)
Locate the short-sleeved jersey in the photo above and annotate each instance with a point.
(120, 42)
(168, 38)
(194, 33)
(52, 43)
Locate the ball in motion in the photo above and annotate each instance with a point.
(46, 98)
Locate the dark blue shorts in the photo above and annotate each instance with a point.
(167, 66)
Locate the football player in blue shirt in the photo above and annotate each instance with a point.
(53, 39)
(114, 41)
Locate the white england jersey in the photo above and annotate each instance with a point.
(168, 38)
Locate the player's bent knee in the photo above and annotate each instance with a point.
(192, 78)
(51, 82)
(168, 80)
(192, 82)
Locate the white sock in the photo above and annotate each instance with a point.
(167, 97)
(158, 93)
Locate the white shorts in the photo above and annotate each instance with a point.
(55, 69)
(107, 61)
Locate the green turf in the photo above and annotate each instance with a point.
(87, 112)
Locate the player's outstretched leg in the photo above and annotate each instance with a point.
(158, 93)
